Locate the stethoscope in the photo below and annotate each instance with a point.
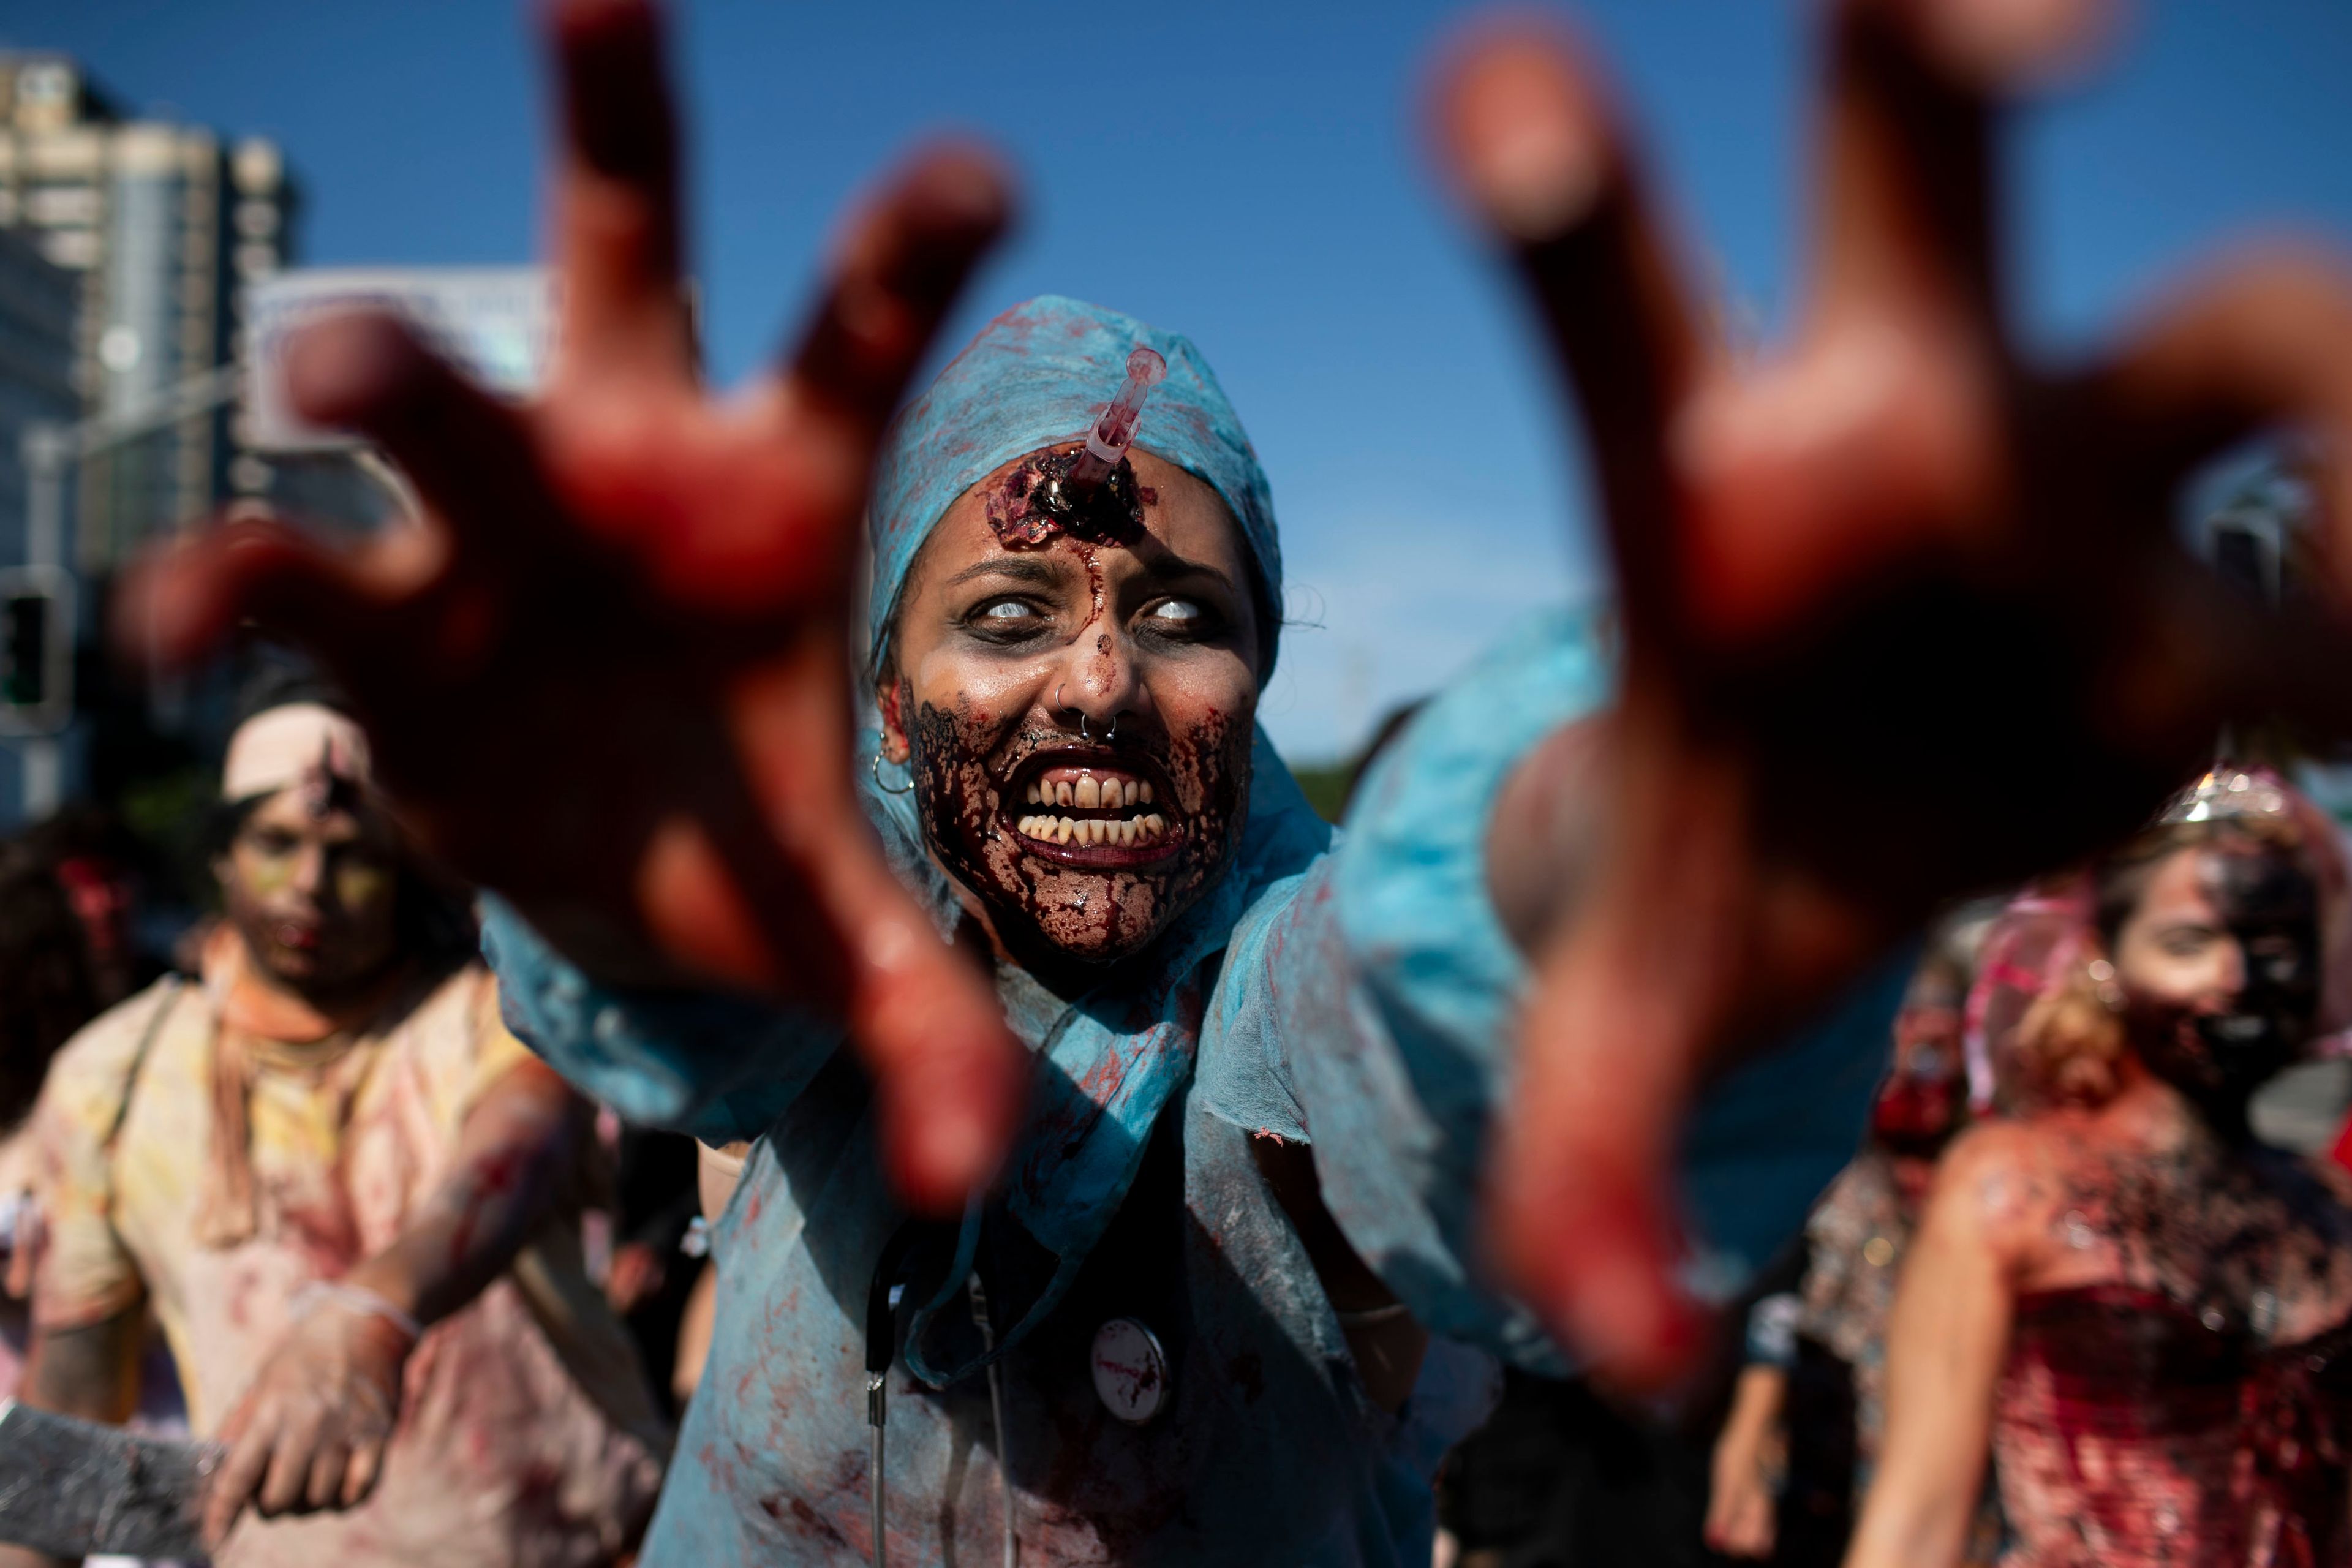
(885, 1297)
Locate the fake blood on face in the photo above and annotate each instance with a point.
(1092, 901)
(1106, 694)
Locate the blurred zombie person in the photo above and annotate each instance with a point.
(97, 863)
(49, 974)
(341, 1188)
(50, 987)
(1811, 1403)
(2140, 1309)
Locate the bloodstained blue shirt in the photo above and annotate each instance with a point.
(1352, 993)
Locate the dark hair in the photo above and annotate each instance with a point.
(280, 678)
(1384, 735)
(46, 975)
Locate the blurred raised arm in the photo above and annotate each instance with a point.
(1894, 531)
(609, 677)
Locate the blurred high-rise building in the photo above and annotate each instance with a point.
(154, 228)
(40, 304)
(163, 223)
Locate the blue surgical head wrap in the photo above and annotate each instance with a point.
(1037, 376)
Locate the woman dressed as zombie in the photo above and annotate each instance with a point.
(1163, 1302)
(1143, 1221)
(2143, 1310)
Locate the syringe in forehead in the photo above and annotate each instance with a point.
(1114, 428)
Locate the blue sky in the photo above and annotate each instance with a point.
(1249, 173)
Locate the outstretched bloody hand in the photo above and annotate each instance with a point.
(609, 678)
(1903, 613)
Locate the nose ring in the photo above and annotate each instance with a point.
(1084, 734)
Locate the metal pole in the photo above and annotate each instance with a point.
(41, 758)
(45, 496)
(42, 772)
(878, 1417)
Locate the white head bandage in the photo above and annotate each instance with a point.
(303, 744)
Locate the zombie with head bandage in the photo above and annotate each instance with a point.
(1228, 1262)
(342, 1189)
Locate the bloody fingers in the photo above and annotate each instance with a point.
(1528, 136)
(616, 195)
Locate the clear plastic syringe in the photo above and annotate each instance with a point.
(1114, 430)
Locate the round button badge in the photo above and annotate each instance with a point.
(1131, 1371)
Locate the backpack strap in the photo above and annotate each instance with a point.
(172, 986)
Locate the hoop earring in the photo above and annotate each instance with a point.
(875, 767)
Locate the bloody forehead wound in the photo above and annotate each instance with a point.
(1090, 493)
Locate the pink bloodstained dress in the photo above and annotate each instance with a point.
(2193, 1410)
(2177, 1384)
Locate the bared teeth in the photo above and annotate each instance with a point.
(1084, 789)
(1049, 827)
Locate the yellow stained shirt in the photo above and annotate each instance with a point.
(528, 1434)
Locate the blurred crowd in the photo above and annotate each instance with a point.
(2115, 1110)
(756, 994)
(2078, 1290)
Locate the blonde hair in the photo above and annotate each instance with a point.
(2070, 1044)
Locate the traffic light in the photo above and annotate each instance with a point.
(36, 651)
(28, 621)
